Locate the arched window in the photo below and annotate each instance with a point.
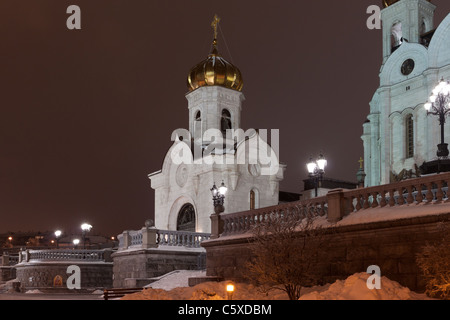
(254, 199)
(198, 116)
(186, 218)
(198, 124)
(409, 135)
(225, 122)
(396, 36)
(423, 27)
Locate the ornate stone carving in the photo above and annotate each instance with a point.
(405, 174)
(182, 175)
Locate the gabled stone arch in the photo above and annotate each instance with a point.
(176, 208)
(439, 49)
(391, 72)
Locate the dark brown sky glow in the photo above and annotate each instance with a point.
(86, 115)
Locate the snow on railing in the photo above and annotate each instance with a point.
(181, 238)
(338, 203)
(152, 238)
(241, 222)
(427, 190)
(63, 255)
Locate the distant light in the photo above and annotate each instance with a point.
(76, 241)
(86, 227)
(230, 290)
(10, 238)
(58, 233)
(53, 241)
(113, 238)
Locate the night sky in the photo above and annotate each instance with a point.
(87, 114)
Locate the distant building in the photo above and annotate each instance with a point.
(324, 186)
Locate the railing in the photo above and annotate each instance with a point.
(181, 238)
(13, 260)
(7, 260)
(64, 255)
(241, 222)
(135, 238)
(152, 238)
(426, 190)
(338, 203)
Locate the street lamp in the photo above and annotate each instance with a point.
(230, 291)
(218, 195)
(76, 242)
(438, 105)
(316, 170)
(85, 227)
(57, 235)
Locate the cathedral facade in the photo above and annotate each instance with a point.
(398, 135)
(214, 150)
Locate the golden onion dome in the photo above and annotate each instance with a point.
(215, 70)
(387, 3)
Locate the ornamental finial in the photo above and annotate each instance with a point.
(215, 25)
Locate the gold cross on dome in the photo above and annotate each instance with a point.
(215, 24)
(361, 161)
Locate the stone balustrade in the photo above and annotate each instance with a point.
(52, 255)
(150, 237)
(425, 190)
(8, 260)
(338, 203)
(181, 238)
(241, 222)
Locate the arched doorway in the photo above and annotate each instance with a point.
(186, 218)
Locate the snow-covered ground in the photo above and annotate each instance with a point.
(174, 286)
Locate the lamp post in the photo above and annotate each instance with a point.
(57, 235)
(438, 105)
(230, 291)
(316, 170)
(85, 227)
(218, 195)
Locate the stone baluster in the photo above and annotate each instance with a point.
(439, 192)
(400, 199)
(429, 195)
(410, 198)
(419, 196)
(383, 202)
(366, 200)
(374, 199)
(391, 197)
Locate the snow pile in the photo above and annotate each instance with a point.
(34, 291)
(355, 288)
(174, 286)
(206, 291)
(97, 292)
(175, 279)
